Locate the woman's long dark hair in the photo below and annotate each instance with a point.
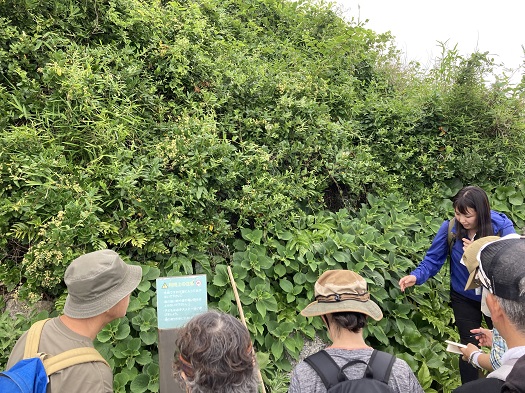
(472, 197)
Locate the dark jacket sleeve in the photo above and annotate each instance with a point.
(485, 385)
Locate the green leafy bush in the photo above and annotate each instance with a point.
(271, 136)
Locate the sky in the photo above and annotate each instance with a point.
(497, 27)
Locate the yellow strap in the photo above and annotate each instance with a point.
(71, 358)
(33, 339)
(62, 360)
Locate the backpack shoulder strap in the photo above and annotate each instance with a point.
(71, 358)
(380, 366)
(451, 237)
(62, 360)
(33, 339)
(325, 367)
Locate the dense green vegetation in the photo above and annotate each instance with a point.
(271, 136)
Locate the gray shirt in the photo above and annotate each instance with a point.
(305, 379)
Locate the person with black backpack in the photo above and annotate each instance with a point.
(349, 365)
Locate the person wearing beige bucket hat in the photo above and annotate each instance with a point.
(343, 302)
(99, 287)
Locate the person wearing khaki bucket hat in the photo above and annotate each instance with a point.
(343, 302)
(99, 287)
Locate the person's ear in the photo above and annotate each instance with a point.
(494, 306)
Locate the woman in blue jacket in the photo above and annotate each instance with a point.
(473, 219)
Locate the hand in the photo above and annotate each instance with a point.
(466, 243)
(484, 338)
(407, 281)
(468, 350)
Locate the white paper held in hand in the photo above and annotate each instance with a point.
(454, 347)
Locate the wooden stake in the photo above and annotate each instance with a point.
(241, 313)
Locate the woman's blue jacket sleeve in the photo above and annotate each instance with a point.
(435, 256)
(438, 251)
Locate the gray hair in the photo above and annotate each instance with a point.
(214, 351)
(515, 311)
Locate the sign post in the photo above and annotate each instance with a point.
(179, 299)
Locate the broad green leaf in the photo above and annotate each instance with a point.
(285, 235)
(122, 332)
(253, 236)
(261, 308)
(423, 376)
(149, 337)
(221, 277)
(277, 349)
(280, 270)
(286, 285)
(341, 256)
(140, 383)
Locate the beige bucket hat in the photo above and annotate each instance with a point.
(342, 291)
(470, 259)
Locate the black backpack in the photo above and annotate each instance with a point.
(375, 378)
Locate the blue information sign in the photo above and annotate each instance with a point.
(179, 299)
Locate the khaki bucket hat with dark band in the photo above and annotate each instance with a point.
(342, 291)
